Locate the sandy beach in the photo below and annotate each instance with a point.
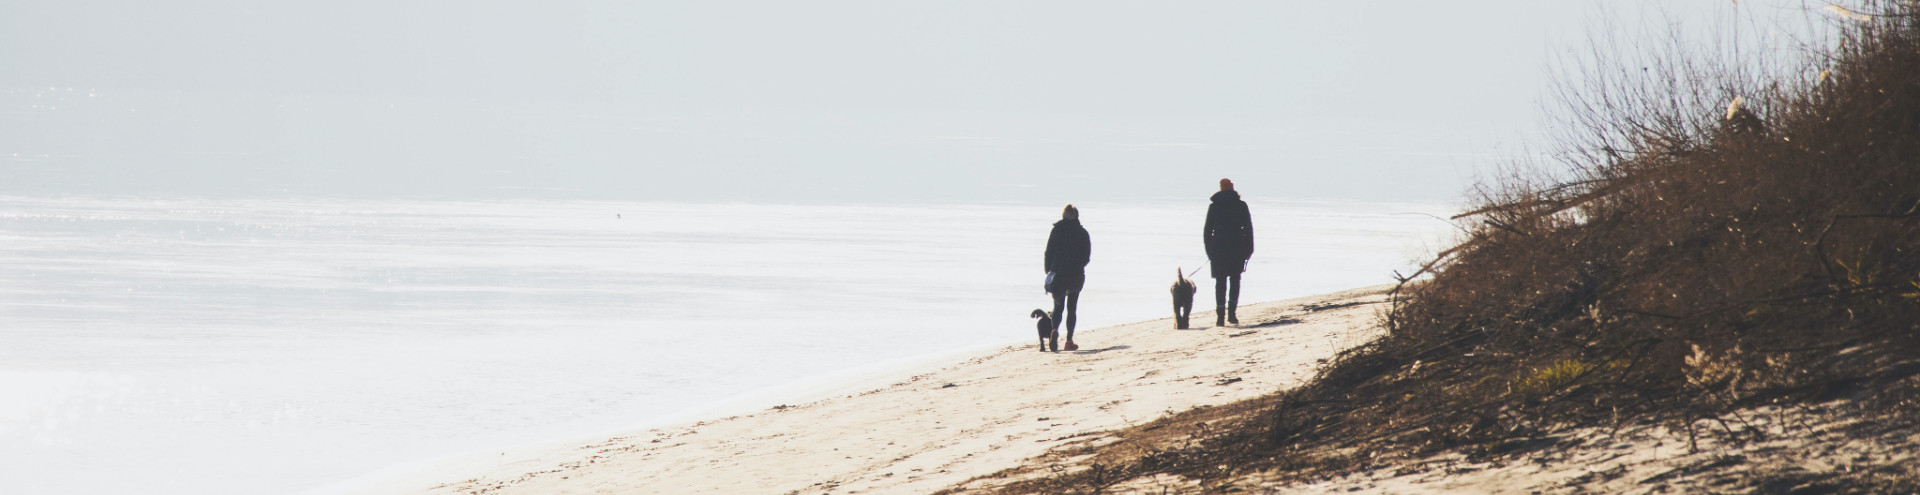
(766, 247)
(924, 430)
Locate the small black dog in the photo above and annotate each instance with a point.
(1047, 332)
(1182, 299)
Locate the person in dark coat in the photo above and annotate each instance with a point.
(1229, 237)
(1068, 250)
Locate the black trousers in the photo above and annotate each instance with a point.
(1226, 291)
(1066, 299)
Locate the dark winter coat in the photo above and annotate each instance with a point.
(1229, 234)
(1068, 248)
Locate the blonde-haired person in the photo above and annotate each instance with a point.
(1068, 250)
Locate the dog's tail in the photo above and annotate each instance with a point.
(1039, 313)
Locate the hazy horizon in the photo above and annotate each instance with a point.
(359, 235)
(772, 101)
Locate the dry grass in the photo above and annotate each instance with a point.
(1695, 259)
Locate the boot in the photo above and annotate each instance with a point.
(1230, 318)
(1219, 316)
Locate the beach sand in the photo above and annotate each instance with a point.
(923, 430)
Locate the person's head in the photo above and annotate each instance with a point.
(1226, 185)
(1070, 213)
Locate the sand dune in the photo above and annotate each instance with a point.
(924, 430)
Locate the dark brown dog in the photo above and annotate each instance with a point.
(1183, 290)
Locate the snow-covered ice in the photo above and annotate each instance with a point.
(209, 346)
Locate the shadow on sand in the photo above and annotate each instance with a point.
(1103, 349)
(1284, 320)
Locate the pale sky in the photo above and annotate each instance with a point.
(774, 101)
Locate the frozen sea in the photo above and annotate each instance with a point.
(227, 346)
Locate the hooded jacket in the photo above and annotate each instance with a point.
(1229, 230)
(1068, 248)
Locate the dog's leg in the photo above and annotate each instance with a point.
(1178, 321)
